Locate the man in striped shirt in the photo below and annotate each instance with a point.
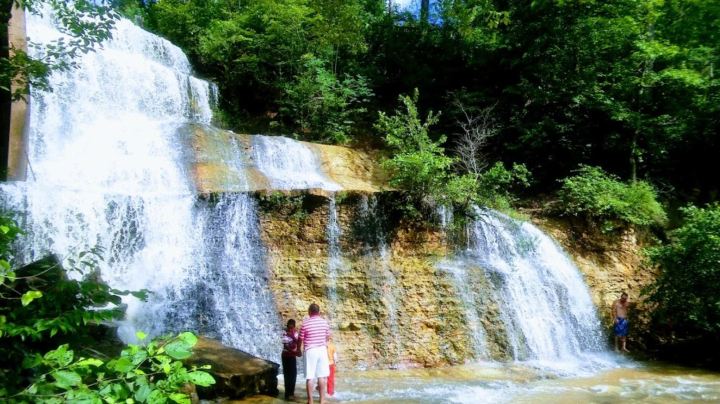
(314, 334)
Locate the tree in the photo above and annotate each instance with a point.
(687, 291)
(608, 82)
(477, 129)
(322, 106)
(86, 24)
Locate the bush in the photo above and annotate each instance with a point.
(600, 196)
(419, 165)
(687, 292)
(496, 184)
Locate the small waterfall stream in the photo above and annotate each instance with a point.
(385, 285)
(335, 260)
(543, 301)
(289, 164)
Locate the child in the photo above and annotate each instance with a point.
(290, 353)
(332, 356)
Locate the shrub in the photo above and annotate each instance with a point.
(600, 196)
(418, 165)
(497, 183)
(687, 291)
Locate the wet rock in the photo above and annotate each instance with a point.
(237, 373)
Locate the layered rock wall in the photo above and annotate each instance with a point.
(393, 309)
(399, 307)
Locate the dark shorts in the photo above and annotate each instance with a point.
(622, 327)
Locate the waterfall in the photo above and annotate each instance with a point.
(335, 263)
(383, 280)
(460, 273)
(289, 164)
(543, 301)
(108, 170)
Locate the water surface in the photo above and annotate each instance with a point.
(523, 383)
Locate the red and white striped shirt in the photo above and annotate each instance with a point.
(314, 332)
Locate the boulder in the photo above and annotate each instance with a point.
(237, 374)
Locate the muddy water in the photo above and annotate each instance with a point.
(523, 383)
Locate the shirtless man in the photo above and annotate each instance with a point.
(620, 321)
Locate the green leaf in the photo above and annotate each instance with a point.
(180, 398)
(142, 393)
(139, 357)
(28, 297)
(66, 379)
(122, 365)
(140, 335)
(156, 396)
(178, 350)
(188, 338)
(31, 361)
(59, 357)
(200, 378)
(90, 362)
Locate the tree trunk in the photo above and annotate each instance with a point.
(424, 10)
(5, 96)
(634, 157)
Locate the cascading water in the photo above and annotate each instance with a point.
(335, 263)
(108, 171)
(459, 272)
(383, 281)
(543, 301)
(289, 164)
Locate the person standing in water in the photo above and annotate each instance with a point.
(332, 358)
(314, 335)
(290, 352)
(621, 325)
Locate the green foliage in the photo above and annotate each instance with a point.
(628, 85)
(687, 291)
(42, 312)
(86, 24)
(259, 52)
(599, 196)
(419, 165)
(496, 185)
(152, 373)
(321, 106)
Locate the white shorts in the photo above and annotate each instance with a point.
(317, 363)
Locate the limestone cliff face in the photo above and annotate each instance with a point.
(389, 300)
(611, 264)
(335, 236)
(393, 307)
